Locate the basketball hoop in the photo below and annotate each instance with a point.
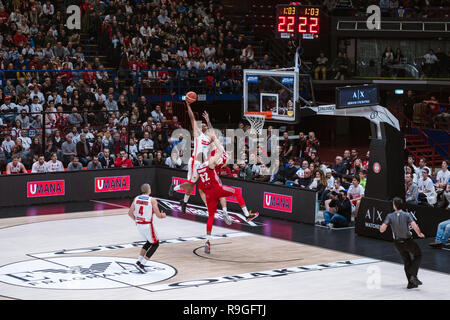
(257, 120)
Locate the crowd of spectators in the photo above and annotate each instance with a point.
(150, 41)
(82, 112)
(339, 69)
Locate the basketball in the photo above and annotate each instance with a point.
(191, 97)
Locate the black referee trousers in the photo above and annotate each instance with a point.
(406, 248)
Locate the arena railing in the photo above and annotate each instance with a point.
(145, 82)
(409, 13)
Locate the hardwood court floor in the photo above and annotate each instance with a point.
(90, 255)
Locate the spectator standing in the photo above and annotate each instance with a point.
(287, 146)
(301, 145)
(312, 144)
(408, 107)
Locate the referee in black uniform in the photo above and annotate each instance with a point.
(400, 221)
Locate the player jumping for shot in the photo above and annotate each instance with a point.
(210, 183)
(201, 145)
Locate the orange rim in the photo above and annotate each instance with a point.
(267, 114)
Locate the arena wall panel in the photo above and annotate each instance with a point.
(73, 186)
(372, 213)
(30, 189)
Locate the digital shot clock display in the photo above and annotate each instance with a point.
(294, 21)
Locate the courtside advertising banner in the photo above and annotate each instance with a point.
(277, 202)
(45, 188)
(112, 184)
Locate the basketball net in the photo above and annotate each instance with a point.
(256, 120)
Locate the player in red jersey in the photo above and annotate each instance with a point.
(210, 183)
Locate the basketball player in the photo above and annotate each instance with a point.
(211, 184)
(54, 165)
(141, 211)
(15, 166)
(39, 166)
(201, 145)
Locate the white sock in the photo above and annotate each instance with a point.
(144, 261)
(208, 237)
(224, 209)
(177, 188)
(140, 259)
(186, 198)
(244, 209)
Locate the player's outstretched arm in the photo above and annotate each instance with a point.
(159, 214)
(219, 152)
(208, 122)
(191, 118)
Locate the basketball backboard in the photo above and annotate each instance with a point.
(278, 91)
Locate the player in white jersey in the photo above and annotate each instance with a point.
(202, 143)
(39, 166)
(54, 164)
(141, 211)
(15, 166)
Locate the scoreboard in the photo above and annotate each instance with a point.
(297, 22)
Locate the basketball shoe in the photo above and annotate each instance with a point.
(207, 247)
(252, 215)
(140, 267)
(226, 218)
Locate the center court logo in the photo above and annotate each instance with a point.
(84, 273)
(45, 188)
(110, 184)
(278, 202)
